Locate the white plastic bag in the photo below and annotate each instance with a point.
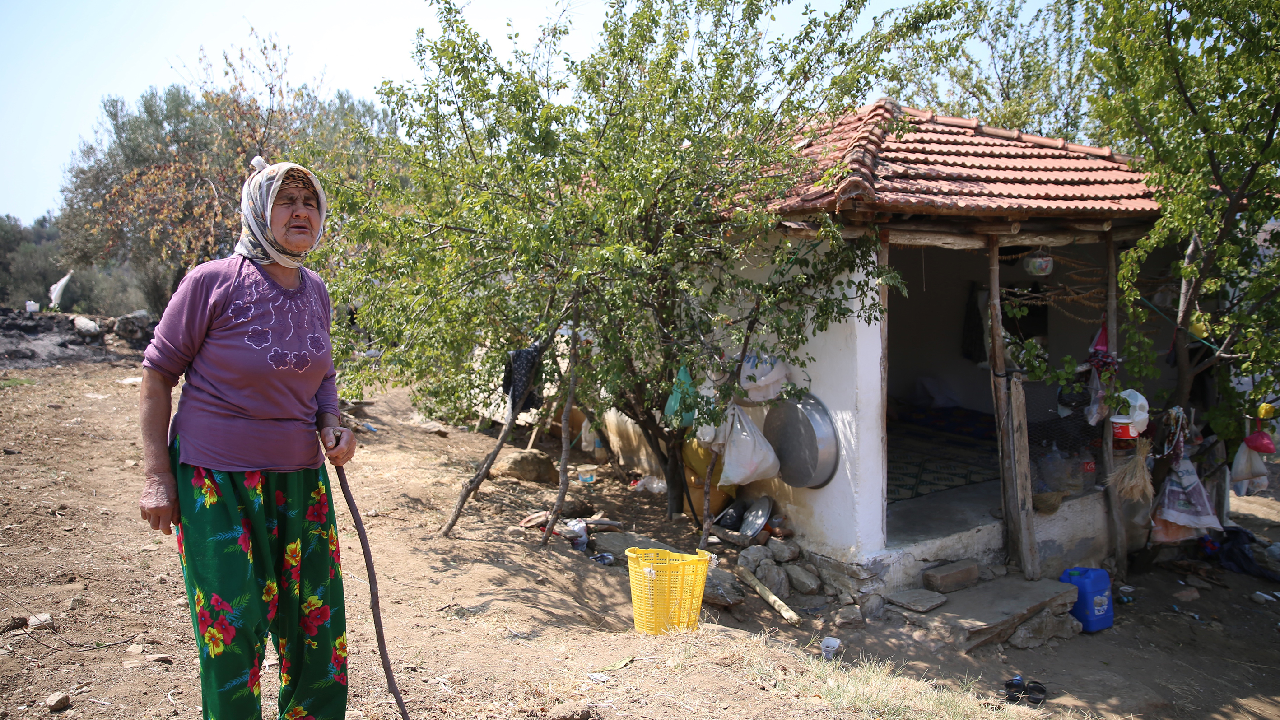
(762, 378)
(1138, 410)
(748, 456)
(652, 483)
(1248, 472)
(1097, 410)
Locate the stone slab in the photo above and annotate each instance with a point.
(952, 577)
(917, 600)
(992, 611)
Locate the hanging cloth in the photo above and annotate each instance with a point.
(516, 375)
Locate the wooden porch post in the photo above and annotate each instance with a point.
(1015, 472)
(1120, 536)
(883, 260)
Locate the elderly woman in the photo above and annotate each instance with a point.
(239, 471)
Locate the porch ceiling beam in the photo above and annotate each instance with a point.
(1004, 228)
(896, 235)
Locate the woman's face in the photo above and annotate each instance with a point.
(295, 219)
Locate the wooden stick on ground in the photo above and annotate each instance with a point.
(787, 613)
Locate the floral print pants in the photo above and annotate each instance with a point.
(259, 553)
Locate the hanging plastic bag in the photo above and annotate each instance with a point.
(1183, 499)
(1248, 471)
(762, 378)
(1139, 410)
(1260, 441)
(1055, 470)
(682, 386)
(748, 456)
(1097, 410)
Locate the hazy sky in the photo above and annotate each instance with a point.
(59, 59)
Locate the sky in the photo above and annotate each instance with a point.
(59, 59)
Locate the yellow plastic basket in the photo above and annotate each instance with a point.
(666, 589)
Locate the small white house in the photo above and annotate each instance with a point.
(938, 453)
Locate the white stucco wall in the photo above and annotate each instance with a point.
(845, 519)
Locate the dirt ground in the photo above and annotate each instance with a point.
(487, 625)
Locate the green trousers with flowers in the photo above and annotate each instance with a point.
(259, 553)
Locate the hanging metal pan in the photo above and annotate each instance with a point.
(804, 438)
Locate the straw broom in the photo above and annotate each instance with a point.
(1132, 480)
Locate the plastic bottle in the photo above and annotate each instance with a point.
(1088, 469)
(1056, 469)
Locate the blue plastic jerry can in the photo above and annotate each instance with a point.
(1093, 605)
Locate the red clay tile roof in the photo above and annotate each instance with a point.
(957, 166)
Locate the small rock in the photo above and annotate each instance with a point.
(804, 582)
(1198, 582)
(921, 601)
(872, 607)
(1215, 625)
(42, 620)
(87, 327)
(985, 574)
(749, 559)
(166, 659)
(1187, 595)
(136, 649)
(844, 598)
(515, 533)
(354, 715)
(1042, 627)
(180, 602)
(782, 550)
(774, 578)
(162, 579)
(1053, 643)
(999, 570)
(1261, 598)
(76, 603)
(528, 465)
(128, 664)
(850, 616)
(58, 701)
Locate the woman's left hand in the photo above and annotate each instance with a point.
(339, 445)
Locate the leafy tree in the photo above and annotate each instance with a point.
(160, 187)
(632, 186)
(1002, 67)
(1192, 83)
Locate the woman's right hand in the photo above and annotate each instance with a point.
(159, 501)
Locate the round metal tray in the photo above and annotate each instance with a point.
(804, 438)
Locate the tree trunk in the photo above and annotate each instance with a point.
(565, 440)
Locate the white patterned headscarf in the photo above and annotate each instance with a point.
(256, 199)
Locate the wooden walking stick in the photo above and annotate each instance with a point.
(373, 592)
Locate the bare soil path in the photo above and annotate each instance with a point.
(487, 625)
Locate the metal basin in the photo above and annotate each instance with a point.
(804, 439)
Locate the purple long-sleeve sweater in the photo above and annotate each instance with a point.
(257, 363)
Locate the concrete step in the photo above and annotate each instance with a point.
(990, 612)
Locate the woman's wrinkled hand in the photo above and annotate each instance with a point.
(159, 501)
(339, 444)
